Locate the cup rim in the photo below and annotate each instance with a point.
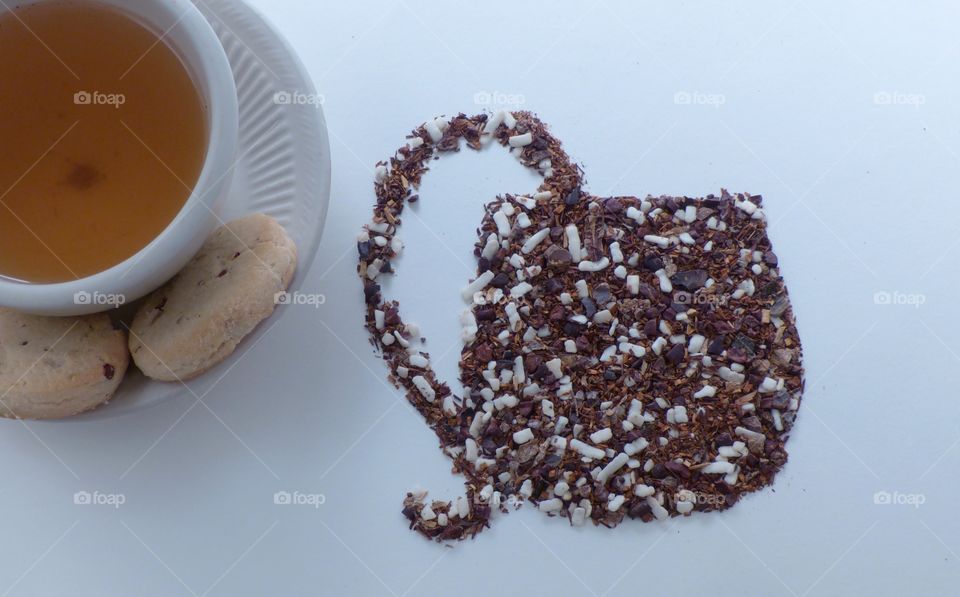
(206, 61)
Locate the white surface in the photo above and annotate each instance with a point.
(282, 169)
(861, 197)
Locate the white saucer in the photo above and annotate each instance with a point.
(283, 169)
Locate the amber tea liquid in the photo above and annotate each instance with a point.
(102, 137)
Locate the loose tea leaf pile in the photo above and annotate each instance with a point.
(622, 357)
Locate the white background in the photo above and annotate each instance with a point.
(860, 190)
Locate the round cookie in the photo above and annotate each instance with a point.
(197, 319)
(53, 367)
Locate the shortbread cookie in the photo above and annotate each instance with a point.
(53, 367)
(197, 319)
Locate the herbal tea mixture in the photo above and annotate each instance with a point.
(622, 357)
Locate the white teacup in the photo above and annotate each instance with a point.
(190, 35)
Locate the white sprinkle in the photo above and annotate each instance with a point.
(684, 507)
(660, 241)
(520, 289)
(659, 344)
(463, 507)
(561, 424)
(594, 266)
(748, 207)
(620, 272)
(615, 253)
(491, 247)
(769, 385)
(547, 407)
(719, 467)
(641, 490)
(659, 512)
(608, 353)
(373, 270)
(636, 446)
(777, 419)
(633, 284)
(477, 285)
(388, 339)
(503, 224)
(378, 319)
(508, 120)
(542, 196)
(583, 291)
(587, 450)
(573, 242)
(523, 436)
(729, 375)
(534, 240)
(696, 344)
(415, 142)
(521, 140)
(380, 174)
(706, 392)
(469, 327)
(493, 122)
(579, 517)
(612, 467)
(513, 316)
(434, 131)
(690, 214)
(528, 202)
(686, 239)
(601, 435)
(602, 317)
(570, 346)
(555, 367)
(425, 389)
(665, 284)
(614, 504)
(506, 401)
(523, 221)
(551, 505)
(630, 348)
(680, 414)
(419, 361)
(519, 375)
